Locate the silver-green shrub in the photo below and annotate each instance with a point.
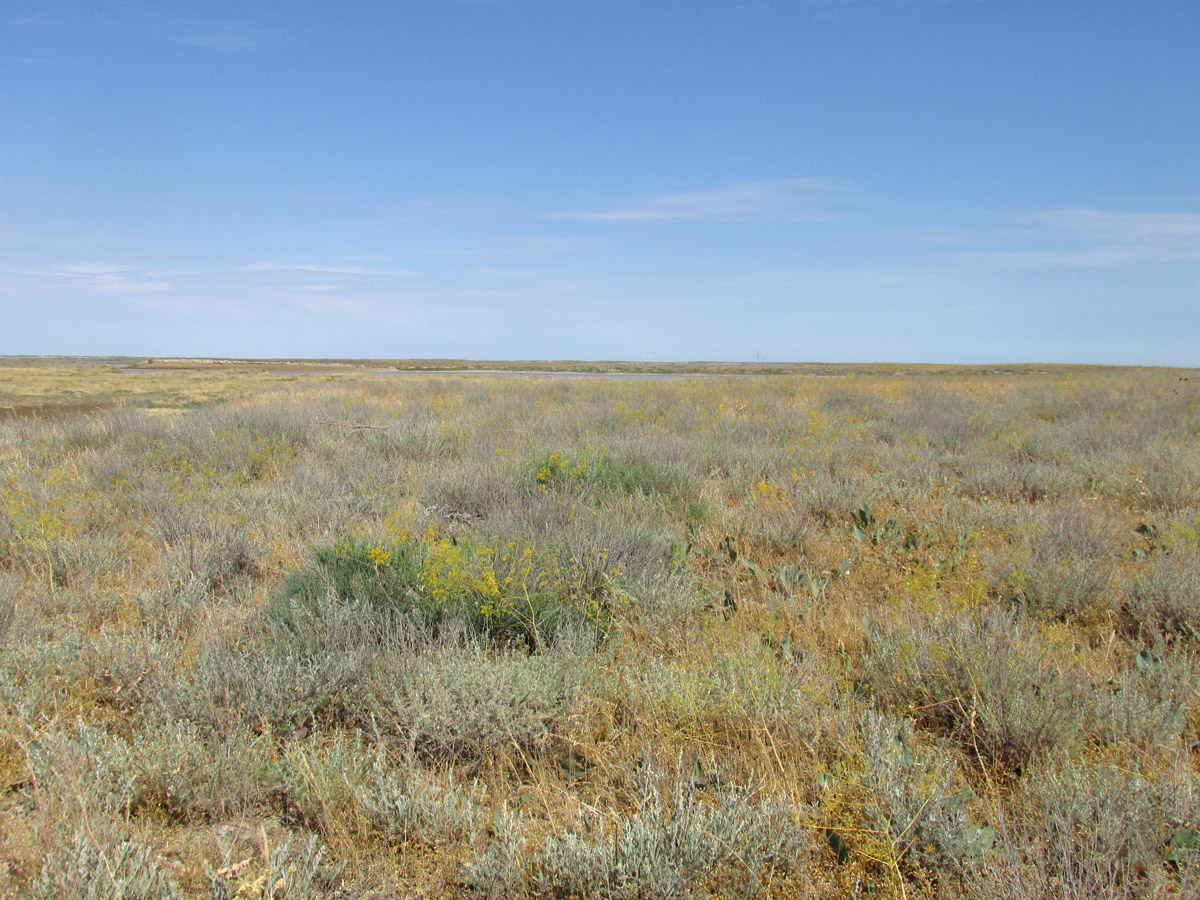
(1082, 832)
(916, 802)
(679, 843)
(462, 700)
(979, 679)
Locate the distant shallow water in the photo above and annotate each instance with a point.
(485, 373)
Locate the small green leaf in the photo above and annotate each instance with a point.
(955, 802)
(1147, 662)
(1182, 845)
(839, 846)
(974, 840)
(574, 765)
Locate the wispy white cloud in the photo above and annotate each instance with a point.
(228, 34)
(92, 269)
(304, 267)
(107, 278)
(1089, 238)
(432, 208)
(1123, 227)
(1063, 238)
(522, 245)
(323, 269)
(787, 196)
(934, 235)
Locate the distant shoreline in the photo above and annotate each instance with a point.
(558, 368)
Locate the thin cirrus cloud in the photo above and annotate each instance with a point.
(1065, 238)
(784, 197)
(107, 278)
(228, 34)
(1126, 227)
(305, 267)
(1085, 237)
(322, 269)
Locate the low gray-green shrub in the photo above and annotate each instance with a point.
(461, 700)
(9, 587)
(347, 782)
(681, 842)
(1071, 554)
(108, 868)
(1163, 597)
(185, 771)
(298, 663)
(405, 804)
(1084, 832)
(978, 679)
(917, 804)
(287, 873)
(1148, 702)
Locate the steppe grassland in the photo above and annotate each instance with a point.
(349, 635)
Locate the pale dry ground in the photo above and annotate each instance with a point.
(344, 634)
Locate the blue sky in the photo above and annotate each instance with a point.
(909, 180)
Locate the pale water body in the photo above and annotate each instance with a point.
(477, 373)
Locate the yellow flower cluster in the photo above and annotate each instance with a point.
(455, 570)
(378, 555)
(559, 468)
(766, 494)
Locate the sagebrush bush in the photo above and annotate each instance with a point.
(461, 700)
(1067, 556)
(298, 663)
(1162, 599)
(916, 804)
(108, 868)
(1147, 704)
(680, 842)
(290, 870)
(9, 587)
(347, 785)
(977, 678)
(1096, 833)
